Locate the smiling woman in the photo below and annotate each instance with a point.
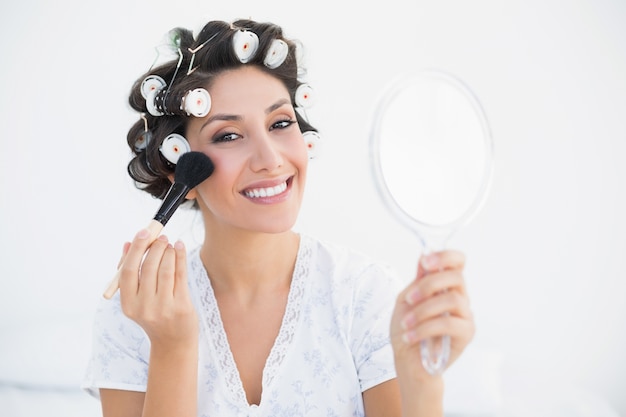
(256, 142)
(258, 319)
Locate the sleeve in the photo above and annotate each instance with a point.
(120, 351)
(375, 295)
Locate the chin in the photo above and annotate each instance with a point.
(276, 224)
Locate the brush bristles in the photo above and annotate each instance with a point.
(192, 168)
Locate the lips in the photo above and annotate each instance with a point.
(269, 190)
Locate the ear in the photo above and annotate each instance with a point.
(191, 195)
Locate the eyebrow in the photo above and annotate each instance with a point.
(231, 117)
(277, 105)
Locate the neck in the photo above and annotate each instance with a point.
(245, 264)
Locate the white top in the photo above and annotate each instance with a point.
(333, 343)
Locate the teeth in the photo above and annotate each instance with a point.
(266, 192)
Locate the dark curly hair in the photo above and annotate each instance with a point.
(148, 168)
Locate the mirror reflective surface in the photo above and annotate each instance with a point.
(432, 158)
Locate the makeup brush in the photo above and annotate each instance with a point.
(191, 169)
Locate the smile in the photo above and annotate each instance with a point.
(266, 192)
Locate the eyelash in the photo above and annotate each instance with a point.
(229, 137)
(283, 124)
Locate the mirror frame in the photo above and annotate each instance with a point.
(391, 92)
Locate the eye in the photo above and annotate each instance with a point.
(226, 137)
(282, 124)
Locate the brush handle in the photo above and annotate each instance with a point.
(155, 227)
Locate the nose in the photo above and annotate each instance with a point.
(266, 153)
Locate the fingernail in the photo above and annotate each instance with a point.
(430, 261)
(408, 321)
(163, 238)
(179, 245)
(143, 234)
(413, 296)
(409, 338)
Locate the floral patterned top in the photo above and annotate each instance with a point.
(332, 345)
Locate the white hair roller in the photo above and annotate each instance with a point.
(152, 83)
(197, 102)
(276, 54)
(245, 44)
(173, 147)
(312, 141)
(304, 96)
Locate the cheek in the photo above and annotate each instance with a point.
(299, 149)
(222, 182)
(303, 159)
(226, 171)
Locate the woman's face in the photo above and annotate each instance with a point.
(260, 157)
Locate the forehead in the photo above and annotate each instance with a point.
(242, 93)
(245, 81)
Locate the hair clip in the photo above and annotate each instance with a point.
(193, 54)
(196, 102)
(304, 96)
(152, 85)
(144, 139)
(245, 44)
(312, 141)
(169, 46)
(276, 54)
(173, 146)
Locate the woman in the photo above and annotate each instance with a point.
(259, 320)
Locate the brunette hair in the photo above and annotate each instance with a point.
(148, 168)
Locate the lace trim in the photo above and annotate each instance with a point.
(292, 313)
(216, 334)
(214, 330)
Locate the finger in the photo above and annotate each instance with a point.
(459, 329)
(432, 284)
(180, 284)
(129, 271)
(166, 271)
(150, 266)
(451, 303)
(437, 282)
(437, 261)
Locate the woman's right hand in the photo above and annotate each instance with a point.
(154, 291)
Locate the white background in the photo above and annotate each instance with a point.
(546, 256)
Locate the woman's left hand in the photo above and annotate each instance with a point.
(434, 304)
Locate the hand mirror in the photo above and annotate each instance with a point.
(431, 153)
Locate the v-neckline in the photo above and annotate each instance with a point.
(216, 334)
